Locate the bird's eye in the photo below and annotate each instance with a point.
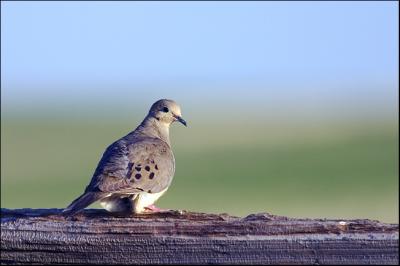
(165, 110)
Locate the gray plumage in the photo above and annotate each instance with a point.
(136, 168)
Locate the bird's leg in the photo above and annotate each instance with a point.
(153, 208)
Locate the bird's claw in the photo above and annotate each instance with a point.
(153, 209)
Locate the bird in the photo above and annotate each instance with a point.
(137, 169)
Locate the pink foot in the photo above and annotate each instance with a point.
(153, 208)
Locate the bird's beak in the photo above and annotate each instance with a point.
(180, 119)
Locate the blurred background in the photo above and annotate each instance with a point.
(292, 107)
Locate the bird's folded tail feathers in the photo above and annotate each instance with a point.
(82, 202)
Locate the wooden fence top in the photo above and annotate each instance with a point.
(96, 237)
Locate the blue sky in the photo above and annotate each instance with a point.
(84, 53)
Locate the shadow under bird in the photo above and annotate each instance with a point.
(137, 169)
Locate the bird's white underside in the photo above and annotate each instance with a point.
(139, 201)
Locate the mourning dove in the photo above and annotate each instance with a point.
(137, 169)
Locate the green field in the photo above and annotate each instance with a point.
(342, 170)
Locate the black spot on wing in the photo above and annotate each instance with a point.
(151, 176)
(129, 174)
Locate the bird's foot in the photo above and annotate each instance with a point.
(152, 209)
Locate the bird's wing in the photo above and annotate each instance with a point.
(134, 166)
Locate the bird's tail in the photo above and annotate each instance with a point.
(82, 202)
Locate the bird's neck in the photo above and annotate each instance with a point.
(154, 128)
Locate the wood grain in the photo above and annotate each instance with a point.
(44, 236)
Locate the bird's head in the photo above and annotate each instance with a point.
(166, 111)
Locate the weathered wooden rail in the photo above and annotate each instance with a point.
(43, 236)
